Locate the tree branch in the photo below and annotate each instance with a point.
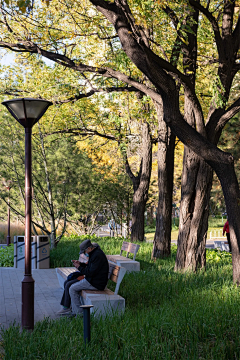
(135, 179)
(236, 36)
(65, 61)
(172, 16)
(228, 114)
(94, 91)
(236, 68)
(83, 132)
(213, 22)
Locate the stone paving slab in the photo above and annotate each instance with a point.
(47, 295)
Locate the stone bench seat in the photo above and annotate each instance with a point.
(222, 245)
(124, 261)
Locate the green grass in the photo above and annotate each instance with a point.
(7, 256)
(168, 315)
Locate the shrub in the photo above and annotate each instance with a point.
(7, 256)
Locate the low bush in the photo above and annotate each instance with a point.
(168, 315)
(7, 256)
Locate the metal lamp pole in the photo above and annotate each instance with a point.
(27, 112)
(28, 281)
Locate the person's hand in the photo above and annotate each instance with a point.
(76, 263)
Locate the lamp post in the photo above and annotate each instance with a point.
(27, 112)
(8, 185)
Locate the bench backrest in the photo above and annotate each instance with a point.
(116, 274)
(130, 248)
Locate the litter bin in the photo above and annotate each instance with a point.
(19, 252)
(43, 252)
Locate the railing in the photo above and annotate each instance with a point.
(216, 234)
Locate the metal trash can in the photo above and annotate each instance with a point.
(19, 252)
(43, 252)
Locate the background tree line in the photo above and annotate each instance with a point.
(69, 190)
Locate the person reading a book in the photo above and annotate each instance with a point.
(92, 275)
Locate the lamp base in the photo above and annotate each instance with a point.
(8, 240)
(28, 302)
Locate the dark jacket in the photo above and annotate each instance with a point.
(96, 270)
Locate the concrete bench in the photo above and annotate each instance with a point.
(106, 301)
(222, 245)
(129, 264)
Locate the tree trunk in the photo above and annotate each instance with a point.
(227, 176)
(222, 163)
(138, 210)
(194, 211)
(141, 185)
(150, 216)
(166, 146)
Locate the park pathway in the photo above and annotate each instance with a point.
(46, 300)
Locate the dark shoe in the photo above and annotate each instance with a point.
(64, 311)
(70, 315)
(74, 315)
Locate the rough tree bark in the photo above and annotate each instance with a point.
(227, 176)
(166, 146)
(197, 176)
(141, 185)
(223, 165)
(193, 222)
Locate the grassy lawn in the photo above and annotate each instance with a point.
(168, 315)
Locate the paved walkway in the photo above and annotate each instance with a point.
(46, 300)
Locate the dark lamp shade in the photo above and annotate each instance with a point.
(27, 111)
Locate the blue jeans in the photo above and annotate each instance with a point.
(76, 299)
(66, 300)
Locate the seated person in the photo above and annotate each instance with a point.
(95, 276)
(71, 279)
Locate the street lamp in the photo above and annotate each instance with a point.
(27, 112)
(8, 185)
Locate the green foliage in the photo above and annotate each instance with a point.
(168, 315)
(68, 248)
(216, 256)
(216, 221)
(218, 90)
(7, 256)
(67, 185)
(152, 228)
